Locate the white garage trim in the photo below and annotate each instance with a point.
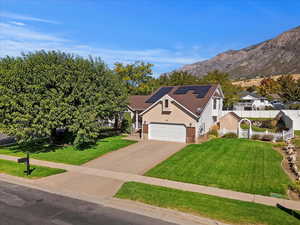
(167, 132)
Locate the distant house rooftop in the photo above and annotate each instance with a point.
(252, 94)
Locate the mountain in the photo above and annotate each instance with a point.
(280, 55)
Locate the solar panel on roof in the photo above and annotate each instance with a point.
(160, 93)
(200, 91)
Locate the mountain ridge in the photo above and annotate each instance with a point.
(280, 55)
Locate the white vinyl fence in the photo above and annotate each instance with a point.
(254, 113)
(247, 133)
(277, 136)
(261, 113)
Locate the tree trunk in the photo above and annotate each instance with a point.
(116, 125)
(53, 136)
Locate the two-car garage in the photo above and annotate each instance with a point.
(167, 132)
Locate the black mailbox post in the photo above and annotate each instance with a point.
(26, 160)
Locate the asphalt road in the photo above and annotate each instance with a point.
(24, 206)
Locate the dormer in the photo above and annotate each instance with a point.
(166, 104)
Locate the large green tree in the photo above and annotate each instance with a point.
(231, 92)
(289, 88)
(171, 79)
(177, 78)
(268, 86)
(42, 91)
(135, 76)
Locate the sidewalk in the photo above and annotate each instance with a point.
(168, 215)
(125, 177)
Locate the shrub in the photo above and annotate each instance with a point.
(268, 124)
(108, 132)
(126, 124)
(212, 137)
(294, 106)
(269, 108)
(274, 123)
(268, 137)
(256, 137)
(295, 187)
(280, 140)
(230, 135)
(213, 132)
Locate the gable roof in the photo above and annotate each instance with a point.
(233, 114)
(193, 97)
(254, 95)
(138, 102)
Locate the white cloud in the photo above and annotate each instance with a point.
(10, 31)
(17, 23)
(26, 18)
(15, 39)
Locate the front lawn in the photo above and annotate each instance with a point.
(237, 164)
(69, 154)
(17, 169)
(222, 209)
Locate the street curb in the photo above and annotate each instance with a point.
(167, 215)
(202, 189)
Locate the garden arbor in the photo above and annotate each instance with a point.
(244, 133)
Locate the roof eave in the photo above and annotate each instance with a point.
(155, 103)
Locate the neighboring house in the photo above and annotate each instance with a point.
(177, 113)
(291, 118)
(229, 123)
(251, 101)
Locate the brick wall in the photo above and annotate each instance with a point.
(145, 128)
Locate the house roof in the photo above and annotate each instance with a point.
(254, 95)
(192, 97)
(233, 114)
(138, 102)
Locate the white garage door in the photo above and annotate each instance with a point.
(167, 132)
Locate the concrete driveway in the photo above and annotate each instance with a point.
(137, 158)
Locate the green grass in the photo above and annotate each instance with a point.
(236, 164)
(259, 129)
(296, 142)
(259, 119)
(17, 169)
(69, 154)
(222, 209)
(297, 132)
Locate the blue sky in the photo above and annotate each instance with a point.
(167, 33)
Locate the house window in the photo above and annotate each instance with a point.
(166, 103)
(215, 104)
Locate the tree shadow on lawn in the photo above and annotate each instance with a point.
(34, 147)
(289, 211)
(44, 146)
